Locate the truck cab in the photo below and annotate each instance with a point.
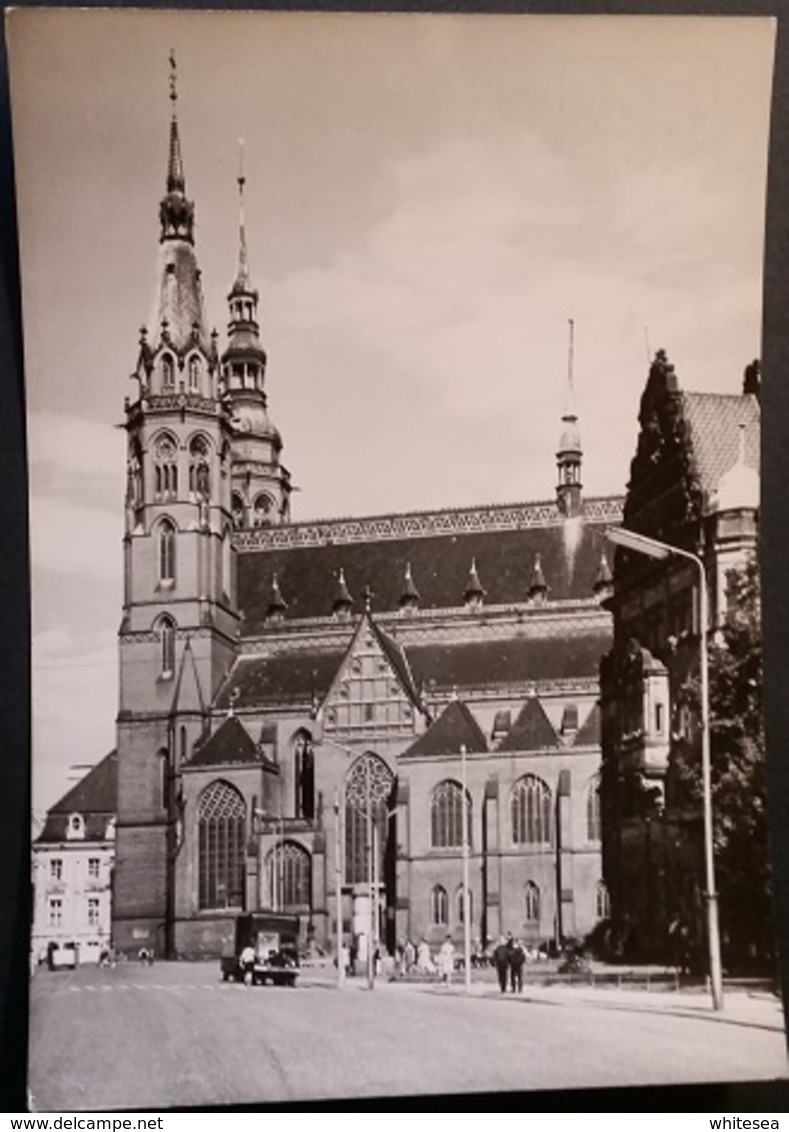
(273, 938)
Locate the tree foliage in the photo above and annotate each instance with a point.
(739, 792)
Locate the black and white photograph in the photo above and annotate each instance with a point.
(393, 390)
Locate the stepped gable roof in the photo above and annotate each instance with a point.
(455, 727)
(297, 676)
(95, 797)
(513, 661)
(589, 732)
(531, 731)
(714, 420)
(306, 557)
(230, 743)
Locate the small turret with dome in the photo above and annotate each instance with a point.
(738, 488)
(261, 486)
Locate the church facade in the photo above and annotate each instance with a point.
(314, 716)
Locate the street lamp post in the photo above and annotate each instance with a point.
(466, 894)
(652, 548)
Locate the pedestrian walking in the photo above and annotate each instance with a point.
(424, 963)
(247, 963)
(446, 960)
(501, 961)
(517, 957)
(410, 955)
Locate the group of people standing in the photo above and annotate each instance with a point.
(509, 958)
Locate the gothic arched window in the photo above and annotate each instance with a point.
(304, 775)
(368, 784)
(290, 876)
(168, 374)
(194, 374)
(227, 562)
(593, 810)
(262, 509)
(531, 899)
(167, 645)
(461, 905)
(166, 539)
(199, 473)
(221, 827)
(165, 469)
(439, 906)
(531, 812)
(446, 816)
(237, 508)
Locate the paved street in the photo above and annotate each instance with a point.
(175, 1034)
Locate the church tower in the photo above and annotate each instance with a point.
(568, 457)
(180, 623)
(260, 484)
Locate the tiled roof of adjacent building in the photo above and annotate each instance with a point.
(307, 559)
(714, 420)
(94, 797)
(454, 728)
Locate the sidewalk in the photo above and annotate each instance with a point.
(740, 1007)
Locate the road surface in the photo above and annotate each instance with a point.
(174, 1034)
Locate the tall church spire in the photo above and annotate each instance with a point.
(568, 456)
(176, 212)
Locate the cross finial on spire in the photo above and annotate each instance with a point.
(242, 279)
(173, 79)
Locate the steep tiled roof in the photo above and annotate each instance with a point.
(286, 677)
(589, 733)
(715, 420)
(508, 661)
(95, 797)
(455, 727)
(230, 743)
(531, 731)
(439, 564)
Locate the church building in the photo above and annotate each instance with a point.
(307, 708)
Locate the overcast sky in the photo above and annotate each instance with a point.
(429, 200)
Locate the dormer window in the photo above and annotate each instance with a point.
(76, 828)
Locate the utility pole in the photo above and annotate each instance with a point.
(466, 893)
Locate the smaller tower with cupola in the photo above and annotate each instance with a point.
(568, 456)
(260, 484)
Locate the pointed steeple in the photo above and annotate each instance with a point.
(538, 587)
(341, 605)
(473, 593)
(409, 598)
(178, 319)
(176, 212)
(569, 453)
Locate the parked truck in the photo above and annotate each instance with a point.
(273, 938)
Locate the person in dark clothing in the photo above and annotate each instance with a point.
(501, 960)
(517, 958)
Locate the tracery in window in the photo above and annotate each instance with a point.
(166, 537)
(165, 469)
(290, 876)
(221, 826)
(531, 812)
(439, 906)
(367, 790)
(446, 816)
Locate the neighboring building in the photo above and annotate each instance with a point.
(287, 688)
(73, 861)
(694, 484)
